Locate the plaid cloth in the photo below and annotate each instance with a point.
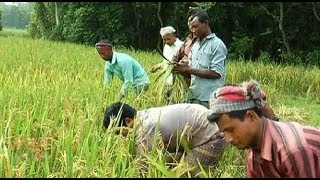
(102, 45)
(209, 153)
(233, 98)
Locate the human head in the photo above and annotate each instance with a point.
(237, 110)
(199, 24)
(168, 35)
(104, 48)
(123, 111)
(191, 12)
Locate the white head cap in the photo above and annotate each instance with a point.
(167, 30)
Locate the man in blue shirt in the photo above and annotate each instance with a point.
(125, 67)
(207, 65)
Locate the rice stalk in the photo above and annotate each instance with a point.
(177, 92)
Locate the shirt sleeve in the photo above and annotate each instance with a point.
(180, 53)
(219, 55)
(127, 73)
(108, 76)
(303, 163)
(168, 55)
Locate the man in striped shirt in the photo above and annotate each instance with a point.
(276, 149)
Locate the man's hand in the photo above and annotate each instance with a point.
(174, 58)
(184, 61)
(181, 68)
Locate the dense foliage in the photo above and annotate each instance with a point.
(287, 32)
(15, 16)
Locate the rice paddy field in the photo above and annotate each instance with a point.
(52, 101)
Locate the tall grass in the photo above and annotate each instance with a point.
(298, 80)
(52, 101)
(12, 32)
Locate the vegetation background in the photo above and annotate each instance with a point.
(52, 97)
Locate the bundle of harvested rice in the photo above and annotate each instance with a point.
(171, 94)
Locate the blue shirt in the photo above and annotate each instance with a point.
(127, 69)
(210, 54)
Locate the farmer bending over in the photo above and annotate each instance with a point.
(276, 149)
(202, 140)
(125, 67)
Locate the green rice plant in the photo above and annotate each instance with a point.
(12, 32)
(52, 102)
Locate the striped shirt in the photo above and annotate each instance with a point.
(288, 150)
(184, 51)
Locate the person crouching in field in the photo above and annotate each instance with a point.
(276, 149)
(125, 67)
(203, 141)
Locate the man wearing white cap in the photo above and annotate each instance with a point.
(171, 47)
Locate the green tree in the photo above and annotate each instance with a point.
(249, 29)
(1, 11)
(16, 16)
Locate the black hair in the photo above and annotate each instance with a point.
(235, 114)
(113, 111)
(202, 16)
(193, 10)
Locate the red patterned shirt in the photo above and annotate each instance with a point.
(287, 150)
(183, 53)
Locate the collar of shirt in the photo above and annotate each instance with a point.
(266, 142)
(192, 37)
(212, 35)
(114, 58)
(175, 43)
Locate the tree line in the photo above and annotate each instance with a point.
(283, 32)
(15, 16)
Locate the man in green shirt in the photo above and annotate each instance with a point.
(125, 67)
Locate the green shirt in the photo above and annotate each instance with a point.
(127, 69)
